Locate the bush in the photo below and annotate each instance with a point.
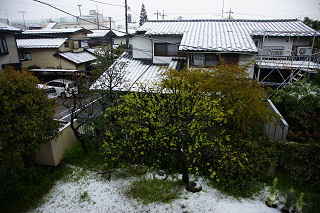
(298, 104)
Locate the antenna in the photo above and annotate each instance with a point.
(230, 12)
(24, 22)
(222, 9)
(157, 13)
(163, 15)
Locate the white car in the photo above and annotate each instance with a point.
(50, 91)
(64, 87)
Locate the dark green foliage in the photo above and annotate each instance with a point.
(315, 24)
(26, 116)
(301, 162)
(298, 104)
(149, 191)
(143, 15)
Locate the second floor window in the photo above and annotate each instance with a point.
(165, 49)
(3, 46)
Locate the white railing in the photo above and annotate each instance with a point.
(277, 128)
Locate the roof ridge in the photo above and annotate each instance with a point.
(227, 20)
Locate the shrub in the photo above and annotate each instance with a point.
(298, 103)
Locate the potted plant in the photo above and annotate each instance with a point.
(271, 200)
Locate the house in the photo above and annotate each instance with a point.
(8, 47)
(57, 50)
(282, 45)
(93, 20)
(115, 37)
(279, 50)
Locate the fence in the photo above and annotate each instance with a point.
(277, 128)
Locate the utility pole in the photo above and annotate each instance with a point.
(222, 9)
(229, 13)
(79, 5)
(110, 23)
(163, 15)
(157, 13)
(24, 22)
(98, 18)
(126, 14)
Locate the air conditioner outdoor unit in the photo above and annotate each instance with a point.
(304, 51)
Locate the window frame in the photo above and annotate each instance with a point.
(166, 54)
(3, 46)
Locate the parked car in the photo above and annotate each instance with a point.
(50, 91)
(63, 87)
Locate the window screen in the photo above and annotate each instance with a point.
(160, 49)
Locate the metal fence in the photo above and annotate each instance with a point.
(277, 128)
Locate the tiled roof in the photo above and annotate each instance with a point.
(55, 31)
(5, 27)
(102, 33)
(224, 35)
(79, 57)
(136, 71)
(98, 33)
(40, 43)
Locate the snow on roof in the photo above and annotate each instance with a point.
(98, 33)
(307, 66)
(40, 43)
(55, 31)
(103, 33)
(50, 26)
(224, 35)
(79, 57)
(5, 27)
(136, 71)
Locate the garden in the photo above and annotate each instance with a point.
(192, 142)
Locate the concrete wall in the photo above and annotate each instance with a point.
(245, 59)
(51, 153)
(142, 47)
(12, 56)
(44, 58)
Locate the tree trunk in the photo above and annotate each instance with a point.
(183, 166)
(29, 164)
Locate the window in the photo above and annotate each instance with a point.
(66, 44)
(25, 56)
(3, 46)
(201, 59)
(165, 49)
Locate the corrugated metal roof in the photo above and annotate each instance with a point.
(50, 26)
(224, 35)
(40, 43)
(136, 71)
(5, 27)
(79, 57)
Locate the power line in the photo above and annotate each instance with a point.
(116, 5)
(141, 36)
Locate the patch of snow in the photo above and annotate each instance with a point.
(108, 196)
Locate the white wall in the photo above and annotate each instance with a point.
(142, 47)
(13, 56)
(244, 59)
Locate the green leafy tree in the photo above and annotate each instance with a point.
(314, 24)
(238, 93)
(143, 15)
(26, 116)
(163, 126)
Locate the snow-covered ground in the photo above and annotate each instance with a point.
(91, 193)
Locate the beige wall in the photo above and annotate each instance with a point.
(13, 56)
(44, 58)
(52, 153)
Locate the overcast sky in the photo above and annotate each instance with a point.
(195, 9)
